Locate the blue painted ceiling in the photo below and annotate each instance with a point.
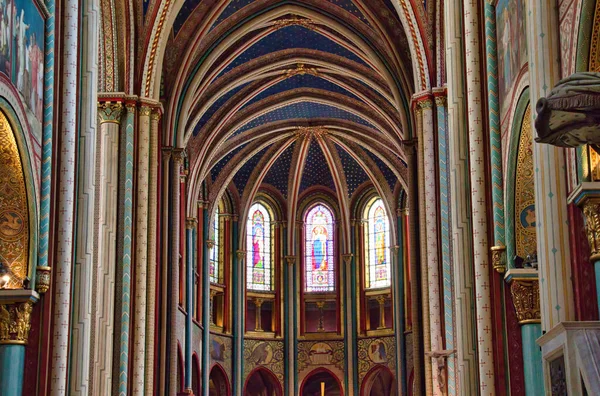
(279, 173)
(316, 170)
(355, 175)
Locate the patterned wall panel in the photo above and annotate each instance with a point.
(221, 353)
(14, 214)
(267, 354)
(376, 351)
(317, 354)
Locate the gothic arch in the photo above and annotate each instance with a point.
(321, 370)
(272, 378)
(373, 374)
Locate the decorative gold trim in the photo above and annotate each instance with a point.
(301, 70)
(591, 211)
(110, 112)
(15, 323)
(191, 223)
(499, 258)
(526, 300)
(304, 22)
(43, 279)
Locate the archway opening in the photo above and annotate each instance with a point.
(379, 382)
(321, 383)
(262, 383)
(218, 384)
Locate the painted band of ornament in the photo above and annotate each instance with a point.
(110, 112)
(526, 299)
(15, 323)
(42, 279)
(591, 211)
(304, 22)
(499, 258)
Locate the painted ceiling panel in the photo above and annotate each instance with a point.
(305, 110)
(279, 173)
(221, 164)
(216, 106)
(316, 170)
(389, 175)
(185, 11)
(241, 178)
(291, 37)
(355, 175)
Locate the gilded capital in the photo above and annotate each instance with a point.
(591, 212)
(440, 101)
(130, 107)
(42, 279)
(145, 111)
(156, 114)
(210, 243)
(291, 260)
(526, 299)
(15, 322)
(191, 223)
(499, 258)
(347, 258)
(240, 254)
(110, 112)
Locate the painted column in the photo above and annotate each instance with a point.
(239, 287)
(163, 343)
(411, 159)
(475, 119)
(354, 293)
(349, 334)
(445, 241)
(431, 239)
(177, 156)
(400, 312)
(86, 233)
(152, 244)
(462, 242)
(554, 264)
(15, 322)
(65, 196)
(141, 250)
(123, 295)
(524, 288)
(191, 224)
(291, 325)
(206, 313)
(103, 324)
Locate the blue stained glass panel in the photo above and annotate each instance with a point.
(319, 263)
(378, 272)
(259, 269)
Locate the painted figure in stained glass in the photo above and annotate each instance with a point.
(319, 250)
(378, 261)
(258, 267)
(258, 243)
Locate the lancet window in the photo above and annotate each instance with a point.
(319, 261)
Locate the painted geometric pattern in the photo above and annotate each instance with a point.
(14, 215)
(267, 354)
(525, 221)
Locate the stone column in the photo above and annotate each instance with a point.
(479, 204)
(178, 156)
(556, 289)
(290, 324)
(462, 242)
(65, 196)
(191, 224)
(167, 152)
(103, 324)
(207, 318)
(524, 288)
(152, 244)
(141, 250)
(430, 221)
(411, 159)
(124, 252)
(15, 322)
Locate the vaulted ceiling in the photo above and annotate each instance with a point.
(290, 93)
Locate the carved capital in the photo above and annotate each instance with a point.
(240, 254)
(156, 114)
(145, 111)
(499, 258)
(110, 112)
(130, 107)
(42, 279)
(526, 299)
(440, 101)
(178, 155)
(191, 223)
(291, 260)
(210, 243)
(15, 322)
(591, 211)
(347, 258)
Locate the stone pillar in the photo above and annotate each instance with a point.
(141, 251)
(103, 324)
(190, 225)
(65, 196)
(462, 234)
(152, 244)
(177, 161)
(167, 152)
(411, 159)
(290, 337)
(124, 252)
(524, 289)
(207, 318)
(556, 290)
(15, 322)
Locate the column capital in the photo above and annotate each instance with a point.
(347, 258)
(156, 114)
(110, 112)
(526, 299)
(15, 322)
(167, 152)
(240, 254)
(145, 110)
(178, 154)
(499, 258)
(291, 260)
(210, 243)
(42, 278)
(191, 223)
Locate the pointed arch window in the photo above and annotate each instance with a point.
(319, 250)
(216, 270)
(377, 249)
(259, 266)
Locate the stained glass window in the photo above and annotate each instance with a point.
(259, 271)
(215, 268)
(377, 271)
(319, 265)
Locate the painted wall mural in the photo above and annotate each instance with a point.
(376, 351)
(314, 354)
(220, 352)
(268, 354)
(14, 213)
(22, 52)
(512, 45)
